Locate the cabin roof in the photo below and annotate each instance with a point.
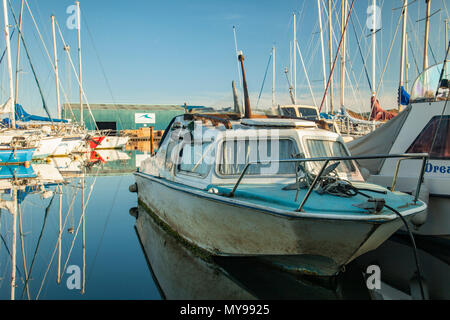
(282, 123)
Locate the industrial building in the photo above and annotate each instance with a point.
(120, 117)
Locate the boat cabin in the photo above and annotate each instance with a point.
(214, 151)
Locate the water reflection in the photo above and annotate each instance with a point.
(182, 273)
(72, 212)
(58, 227)
(399, 275)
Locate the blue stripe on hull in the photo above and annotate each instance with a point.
(16, 171)
(11, 156)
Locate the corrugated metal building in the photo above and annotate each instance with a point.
(124, 117)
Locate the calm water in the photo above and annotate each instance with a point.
(128, 256)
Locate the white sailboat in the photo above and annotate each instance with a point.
(424, 126)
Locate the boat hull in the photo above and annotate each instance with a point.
(68, 146)
(109, 142)
(314, 246)
(16, 171)
(16, 156)
(46, 147)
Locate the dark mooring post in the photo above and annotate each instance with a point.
(248, 110)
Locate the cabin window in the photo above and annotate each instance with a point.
(237, 153)
(197, 159)
(308, 113)
(325, 149)
(424, 142)
(289, 112)
(176, 138)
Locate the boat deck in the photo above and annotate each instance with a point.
(275, 197)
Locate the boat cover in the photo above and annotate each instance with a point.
(379, 141)
(22, 115)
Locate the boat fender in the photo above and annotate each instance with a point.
(419, 219)
(133, 188)
(134, 212)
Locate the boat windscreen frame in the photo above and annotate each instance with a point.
(220, 150)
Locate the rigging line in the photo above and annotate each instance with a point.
(9, 253)
(104, 228)
(24, 261)
(336, 56)
(306, 75)
(76, 75)
(56, 246)
(264, 80)
(414, 57)
(402, 7)
(417, 43)
(423, 19)
(362, 56)
(445, 8)
(432, 52)
(48, 54)
(81, 218)
(4, 51)
(46, 51)
(101, 64)
(47, 210)
(388, 57)
(347, 54)
(31, 64)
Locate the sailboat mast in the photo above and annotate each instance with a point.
(14, 245)
(427, 34)
(403, 50)
(273, 77)
(343, 51)
(79, 62)
(324, 71)
(18, 53)
(446, 36)
(406, 63)
(374, 44)
(58, 276)
(295, 59)
(330, 42)
(55, 55)
(10, 74)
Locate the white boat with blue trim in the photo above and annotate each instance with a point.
(229, 208)
(281, 189)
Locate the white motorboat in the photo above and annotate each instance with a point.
(214, 206)
(281, 189)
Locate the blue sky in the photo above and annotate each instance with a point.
(171, 52)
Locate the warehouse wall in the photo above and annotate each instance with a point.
(124, 118)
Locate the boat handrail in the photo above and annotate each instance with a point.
(417, 156)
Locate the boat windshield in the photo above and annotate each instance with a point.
(308, 113)
(426, 85)
(237, 153)
(328, 148)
